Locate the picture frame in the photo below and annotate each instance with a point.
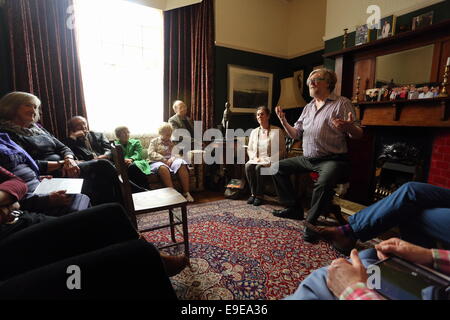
(423, 20)
(386, 28)
(299, 80)
(248, 89)
(362, 35)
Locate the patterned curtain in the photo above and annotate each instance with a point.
(44, 58)
(189, 60)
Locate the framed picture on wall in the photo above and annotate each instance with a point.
(299, 77)
(424, 20)
(362, 35)
(386, 28)
(248, 89)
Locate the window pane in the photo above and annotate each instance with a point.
(121, 54)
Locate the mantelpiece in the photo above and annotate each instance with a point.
(410, 113)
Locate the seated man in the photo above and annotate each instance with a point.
(348, 280)
(86, 145)
(420, 210)
(324, 133)
(180, 120)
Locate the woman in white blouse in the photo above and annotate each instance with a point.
(261, 153)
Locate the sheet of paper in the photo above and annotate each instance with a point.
(72, 186)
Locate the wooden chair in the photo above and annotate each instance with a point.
(152, 201)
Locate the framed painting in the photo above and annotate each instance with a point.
(387, 27)
(248, 89)
(362, 35)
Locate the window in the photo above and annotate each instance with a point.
(121, 49)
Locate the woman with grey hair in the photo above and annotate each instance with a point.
(19, 113)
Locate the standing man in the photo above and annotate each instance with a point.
(85, 144)
(324, 125)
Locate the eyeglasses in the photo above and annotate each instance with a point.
(315, 80)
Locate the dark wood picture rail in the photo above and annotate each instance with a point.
(429, 32)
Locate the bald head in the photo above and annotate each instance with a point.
(78, 123)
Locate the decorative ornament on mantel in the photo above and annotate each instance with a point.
(356, 97)
(444, 92)
(344, 44)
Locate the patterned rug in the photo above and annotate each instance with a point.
(241, 252)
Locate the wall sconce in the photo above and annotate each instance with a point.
(290, 96)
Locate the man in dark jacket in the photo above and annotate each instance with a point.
(86, 145)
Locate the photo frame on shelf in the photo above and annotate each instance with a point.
(386, 28)
(424, 20)
(248, 89)
(362, 35)
(299, 78)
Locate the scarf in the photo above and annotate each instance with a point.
(33, 130)
(9, 147)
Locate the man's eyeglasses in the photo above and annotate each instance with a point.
(315, 80)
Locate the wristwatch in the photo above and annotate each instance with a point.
(16, 214)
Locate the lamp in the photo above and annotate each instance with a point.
(290, 96)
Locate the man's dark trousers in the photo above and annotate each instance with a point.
(332, 170)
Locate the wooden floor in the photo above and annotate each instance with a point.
(207, 196)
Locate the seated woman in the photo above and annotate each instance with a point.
(35, 266)
(19, 162)
(138, 168)
(261, 153)
(163, 162)
(19, 113)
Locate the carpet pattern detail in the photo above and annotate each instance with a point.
(241, 252)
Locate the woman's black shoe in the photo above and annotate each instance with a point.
(251, 200)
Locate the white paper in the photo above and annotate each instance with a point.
(71, 186)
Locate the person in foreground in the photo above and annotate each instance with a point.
(347, 280)
(19, 114)
(421, 211)
(261, 154)
(114, 261)
(323, 126)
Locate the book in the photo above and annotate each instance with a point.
(70, 185)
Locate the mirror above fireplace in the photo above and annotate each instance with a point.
(405, 67)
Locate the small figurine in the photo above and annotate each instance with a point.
(226, 116)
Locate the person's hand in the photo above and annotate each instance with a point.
(170, 161)
(59, 199)
(344, 125)
(5, 212)
(405, 250)
(343, 274)
(70, 168)
(77, 134)
(128, 162)
(45, 177)
(281, 115)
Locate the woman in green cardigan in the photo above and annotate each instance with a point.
(138, 168)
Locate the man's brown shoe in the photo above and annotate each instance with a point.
(174, 264)
(340, 242)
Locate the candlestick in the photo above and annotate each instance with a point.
(444, 92)
(448, 61)
(356, 97)
(344, 44)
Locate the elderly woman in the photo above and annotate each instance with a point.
(19, 113)
(138, 168)
(164, 163)
(19, 162)
(262, 154)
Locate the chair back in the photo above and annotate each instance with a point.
(119, 161)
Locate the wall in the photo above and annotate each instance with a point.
(5, 70)
(280, 28)
(306, 26)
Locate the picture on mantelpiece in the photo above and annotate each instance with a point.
(387, 27)
(424, 20)
(362, 35)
